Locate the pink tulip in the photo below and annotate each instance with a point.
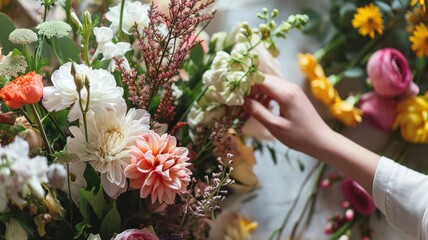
(358, 197)
(378, 110)
(389, 72)
(136, 234)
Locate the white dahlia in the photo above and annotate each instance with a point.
(111, 135)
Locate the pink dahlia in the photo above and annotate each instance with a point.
(159, 167)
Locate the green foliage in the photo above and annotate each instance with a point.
(69, 50)
(316, 25)
(111, 223)
(96, 201)
(197, 55)
(81, 228)
(6, 28)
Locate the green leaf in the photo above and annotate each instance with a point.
(26, 222)
(6, 28)
(384, 7)
(101, 64)
(111, 223)
(197, 55)
(356, 72)
(272, 154)
(68, 49)
(84, 208)
(346, 13)
(315, 25)
(81, 229)
(96, 200)
(92, 178)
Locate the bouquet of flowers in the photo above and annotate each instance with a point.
(373, 67)
(127, 124)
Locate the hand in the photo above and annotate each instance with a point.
(298, 126)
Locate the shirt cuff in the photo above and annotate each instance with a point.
(382, 180)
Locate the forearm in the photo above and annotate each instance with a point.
(348, 157)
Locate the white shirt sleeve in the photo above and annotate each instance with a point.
(401, 194)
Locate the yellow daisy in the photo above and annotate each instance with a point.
(414, 17)
(419, 40)
(368, 20)
(422, 3)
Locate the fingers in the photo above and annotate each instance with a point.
(264, 115)
(278, 89)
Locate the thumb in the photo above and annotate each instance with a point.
(263, 115)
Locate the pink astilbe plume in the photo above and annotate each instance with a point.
(164, 44)
(158, 167)
(166, 108)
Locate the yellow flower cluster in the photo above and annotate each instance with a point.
(412, 118)
(326, 93)
(241, 229)
(422, 3)
(419, 40)
(368, 20)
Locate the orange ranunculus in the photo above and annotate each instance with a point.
(26, 89)
(346, 113)
(310, 66)
(412, 118)
(323, 91)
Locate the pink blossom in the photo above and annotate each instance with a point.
(389, 72)
(349, 215)
(358, 197)
(136, 234)
(378, 110)
(325, 183)
(158, 167)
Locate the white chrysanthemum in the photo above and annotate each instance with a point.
(111, 135)
(20, 175)
(116, 50)
(103, 35)
(22, 36)
(56, 29)
(134, 12)
(103, 91)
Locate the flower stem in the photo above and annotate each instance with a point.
(41, 129)
(54, 122)
(68, 11)
(122, 7)
(357, 59)
(311, 200)
(294, 204)
(52, 45)
(69, 193)
(86, 50)
(321, 53)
